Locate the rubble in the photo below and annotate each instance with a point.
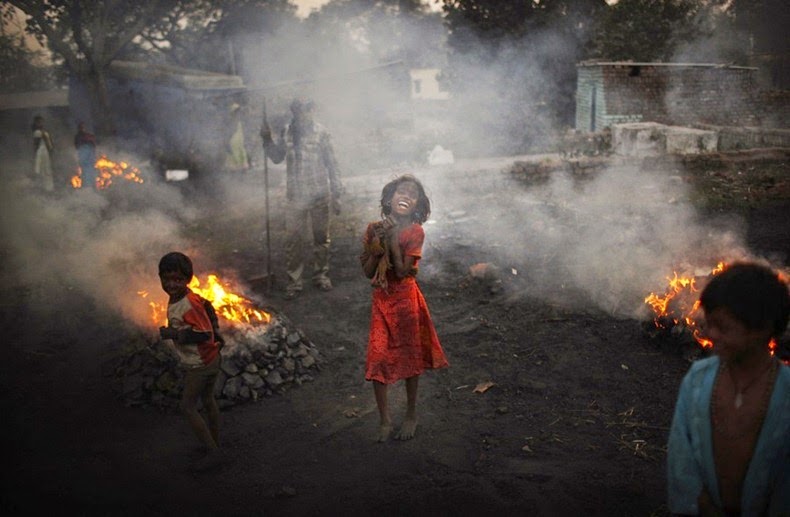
(257, 361)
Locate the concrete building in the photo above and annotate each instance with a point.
(680, 94)
(425, 84)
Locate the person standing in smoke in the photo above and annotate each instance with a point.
(312, 188)
(402, 342)
(85, 143)
(42, 146)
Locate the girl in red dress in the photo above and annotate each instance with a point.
(402, 342)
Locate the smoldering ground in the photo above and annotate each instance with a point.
(602, 243)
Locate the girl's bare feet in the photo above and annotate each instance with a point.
(384, 433)
(408, 429)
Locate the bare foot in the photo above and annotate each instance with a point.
(384, 433)
(408, 429)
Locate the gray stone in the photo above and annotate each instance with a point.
(274, 379)
(308, 361)
(251, 368)
(232, 387)
(293, 338)
(230, 367)
(252, 379)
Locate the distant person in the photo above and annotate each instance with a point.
(236, 159)
(312, 188)
(193, 332)
(85, 143)
(402, 342)
(42, 146)
(729, 444)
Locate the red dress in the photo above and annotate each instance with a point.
(402, 341)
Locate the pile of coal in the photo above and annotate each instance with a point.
(257, 361)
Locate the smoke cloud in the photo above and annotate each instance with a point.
(613, 239)
(104, 247)
(602, 243)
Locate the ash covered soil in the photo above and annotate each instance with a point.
(574, 420)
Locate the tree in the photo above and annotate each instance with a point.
(647, 30)
(513, 66)
(88, 36)
(383, 30)
(21, 68)
(212, 34)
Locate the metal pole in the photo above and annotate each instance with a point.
(266, 197)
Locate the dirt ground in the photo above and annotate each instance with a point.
(575, 422)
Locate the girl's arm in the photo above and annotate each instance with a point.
(401, 264)
(372, 248)
(369, 262)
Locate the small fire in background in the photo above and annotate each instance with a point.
(107, 171)
(678, 309)
(234, 308)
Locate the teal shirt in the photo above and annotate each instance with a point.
(766, 487)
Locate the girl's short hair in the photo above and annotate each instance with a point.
(754, 294)
(423, 209)
(176, 262)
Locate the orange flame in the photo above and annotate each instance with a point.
(232, 307)
(108, 170)
(680, 290)
(679, 305)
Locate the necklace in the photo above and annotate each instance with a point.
(738, 402)
(722, 425)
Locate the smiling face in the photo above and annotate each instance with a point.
(174, 284)
(733, 340)
(404, 201)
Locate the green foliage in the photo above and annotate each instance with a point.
(19, 71)
(646, 30)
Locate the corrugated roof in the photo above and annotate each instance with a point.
(33, 100)
(676, 65)
(175, 76)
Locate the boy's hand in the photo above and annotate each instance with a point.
(168, 333)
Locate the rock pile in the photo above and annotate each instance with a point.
(257, 361)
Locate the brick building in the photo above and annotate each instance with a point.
(681, 94)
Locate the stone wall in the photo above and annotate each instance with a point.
(674, 94)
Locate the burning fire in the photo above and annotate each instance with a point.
(680, 306)
(232, 307)
(106, 171)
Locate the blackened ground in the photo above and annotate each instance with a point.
(575, 422)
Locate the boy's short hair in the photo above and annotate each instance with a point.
(176, 261)
(753, 293)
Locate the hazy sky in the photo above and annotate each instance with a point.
(305, 6)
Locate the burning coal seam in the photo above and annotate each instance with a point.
(263, 354)
(677, 312)
(257, 361)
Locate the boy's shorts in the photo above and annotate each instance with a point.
(198, 378)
